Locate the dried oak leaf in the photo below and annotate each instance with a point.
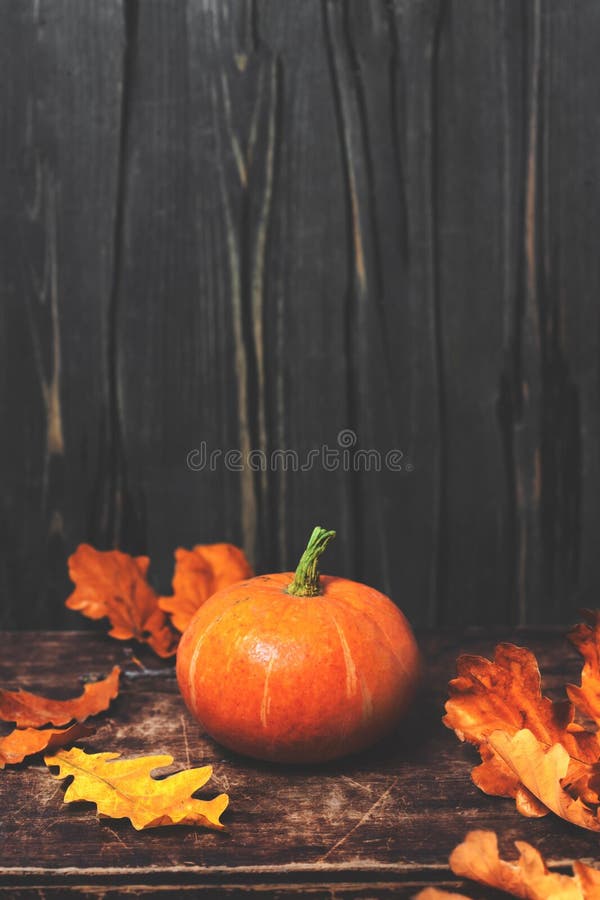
(24, 742)
(589, 879)
(543, 771)
(124, 789)
(478, 858)
(113, 584)
(31, 710)
(586, 638)
(200, 573)
(504, 694)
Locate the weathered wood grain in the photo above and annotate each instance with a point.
(298, 336)
(369, 890)
(163, 355)
(570, 211)
(60, 100)
(383, 69)
(383, 821)
(478, 46)
(261, 226)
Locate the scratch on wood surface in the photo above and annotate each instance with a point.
(233, 138)
(362, 820)
(359, 256)
(47, 289)
(185, 740)
(116, 836)
(357, 784)
(346, 119)
(248, 512)
(34, 207)
(51, 387)
(522, 579)
(258, 267)
(537, 476)
(438, 581)
(531, 183)
(51, 795)
(241, 61)
(528, 477)
(253, 134)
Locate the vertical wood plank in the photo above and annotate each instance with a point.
(270, 169)
(59, 101)
(570, 224)
(478, 222)
(168, 348)
(383, 67)
(234, 144)
(549, 389)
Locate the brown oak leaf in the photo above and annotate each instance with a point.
(22, 742)
(478, 858)
(543, 770)
(31, 710)
(589, 878)
(200, 573)
(124, 788)
(586, 638)
(112, 584)
(504, 694)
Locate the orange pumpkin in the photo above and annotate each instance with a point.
(298, 668)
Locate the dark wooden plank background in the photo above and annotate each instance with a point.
(261, 224)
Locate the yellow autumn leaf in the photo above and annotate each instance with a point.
(124, 789)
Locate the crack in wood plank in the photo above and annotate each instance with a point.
(364, 818)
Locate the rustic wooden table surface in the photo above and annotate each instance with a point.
(376, 826)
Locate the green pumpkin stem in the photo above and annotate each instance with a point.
(306, 580)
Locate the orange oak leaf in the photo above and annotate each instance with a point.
(123, 788)
(31, 710)
(200, 573)
(478, 858)
(589, 878)
(24, 742)
(542, 771)
(504, 694)
(112, 584)
(586, 638)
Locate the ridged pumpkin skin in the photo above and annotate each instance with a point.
(297, 679)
